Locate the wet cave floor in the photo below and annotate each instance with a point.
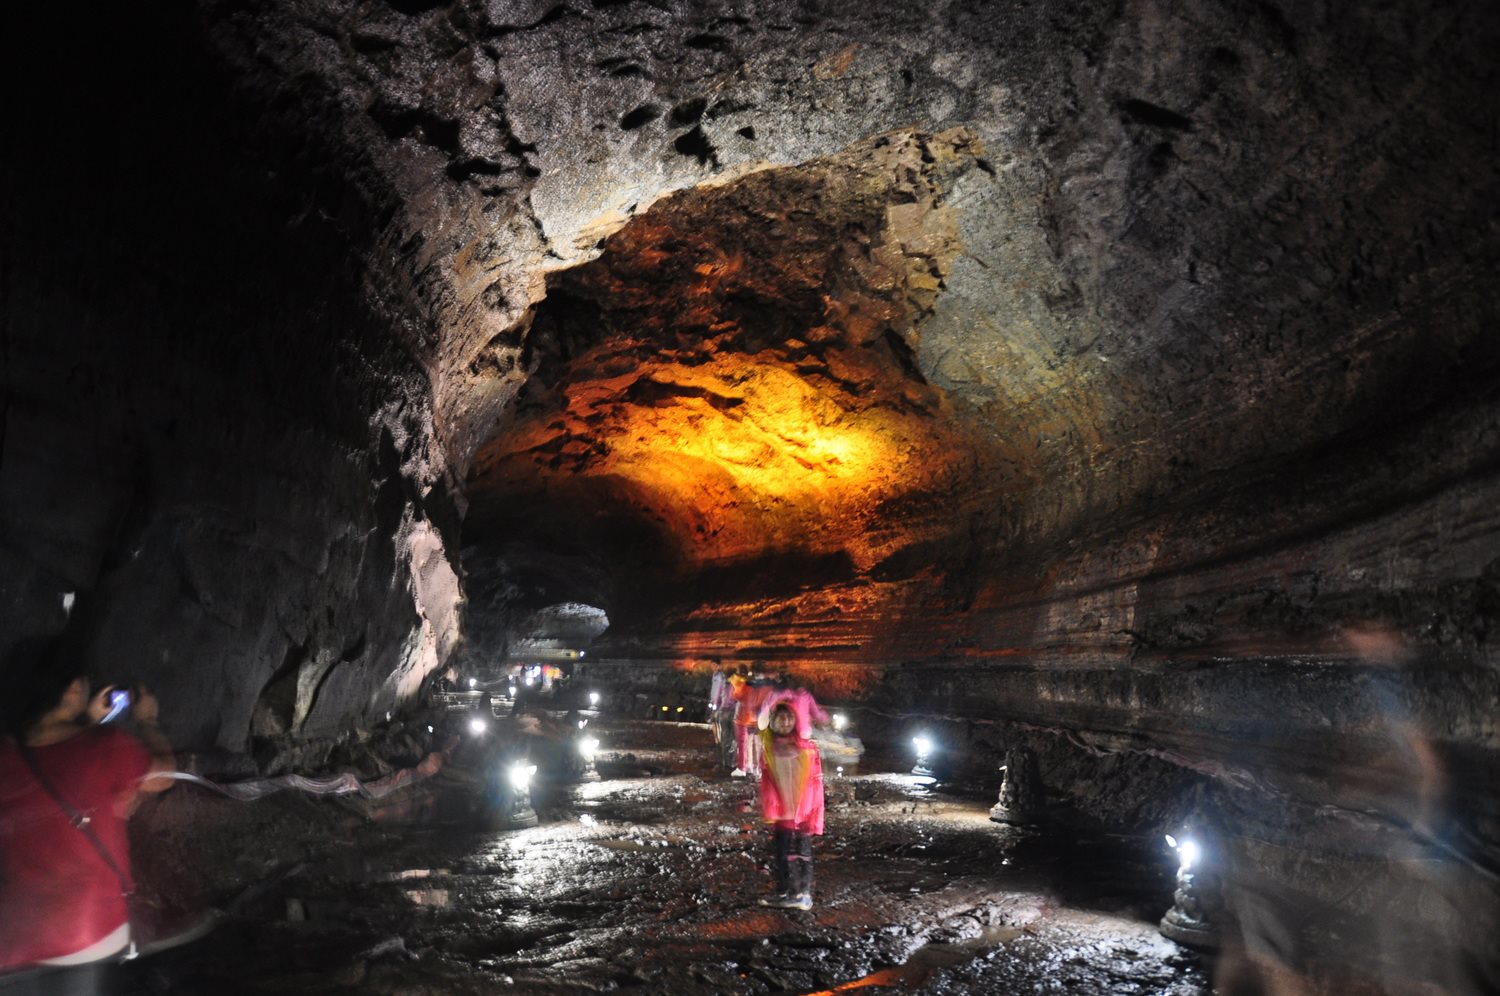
(648, 881)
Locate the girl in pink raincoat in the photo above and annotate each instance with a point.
(791, 792)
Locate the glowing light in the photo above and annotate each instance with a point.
(593, 698)
(680, 708)
(477, 726)
(922, 745)
(664, 708)
(1187, 850)
(840, 721)
(473, 682)
(520, 775)
(739, 454)
(588, 747)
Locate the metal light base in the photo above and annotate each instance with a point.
(1001, 813)
(582, 773)
(1191, 933)
(515, 812)
(518, 820)
(1197, 915)
(1020, 802)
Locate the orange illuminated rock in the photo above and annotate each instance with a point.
(734, 374)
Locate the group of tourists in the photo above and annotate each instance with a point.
(767, 728)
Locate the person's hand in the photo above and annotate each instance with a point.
(145, 708)
(99, 704)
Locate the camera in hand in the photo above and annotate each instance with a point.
(119, 702)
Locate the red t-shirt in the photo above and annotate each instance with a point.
(57, 894)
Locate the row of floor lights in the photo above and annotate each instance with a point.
(1197, 903)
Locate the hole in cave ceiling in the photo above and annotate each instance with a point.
(725, 402)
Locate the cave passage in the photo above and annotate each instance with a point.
(649, 879)
(1094, 404)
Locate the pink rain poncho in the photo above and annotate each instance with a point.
(791, 778)
(749, 697)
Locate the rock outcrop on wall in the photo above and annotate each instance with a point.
(214, 443)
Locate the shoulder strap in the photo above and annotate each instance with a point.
(79, 821)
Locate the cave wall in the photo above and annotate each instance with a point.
(1219, 325)
(207, 434)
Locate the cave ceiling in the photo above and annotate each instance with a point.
(764, 302)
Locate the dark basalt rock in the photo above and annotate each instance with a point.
(1118, 374)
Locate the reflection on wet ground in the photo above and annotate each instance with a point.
(648, 880)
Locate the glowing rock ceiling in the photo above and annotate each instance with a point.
(734, 376)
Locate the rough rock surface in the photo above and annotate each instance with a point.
(1122, 369)
(211, 438)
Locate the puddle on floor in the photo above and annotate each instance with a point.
(408, 874)
(435, 898)
(926, 960)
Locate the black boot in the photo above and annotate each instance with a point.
(799, 893)
(781, 849)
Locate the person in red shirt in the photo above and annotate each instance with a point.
(68, 784)
(748, 694)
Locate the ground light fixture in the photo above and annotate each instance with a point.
(512, 802)
(1197, 912)
(1187, 852)
(594, 699)
(840, 721)
(473, 682)
(926, 750)
(1021, 793)
(477, 726)
(579, 766)
(520, 774)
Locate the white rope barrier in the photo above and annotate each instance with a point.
(346, 783)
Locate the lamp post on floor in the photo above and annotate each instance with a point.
(1021, 794)
(1197, 916)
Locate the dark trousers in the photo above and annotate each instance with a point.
(97, 978)
(724, 732)
(792, 861)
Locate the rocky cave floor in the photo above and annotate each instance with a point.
(648, 880)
